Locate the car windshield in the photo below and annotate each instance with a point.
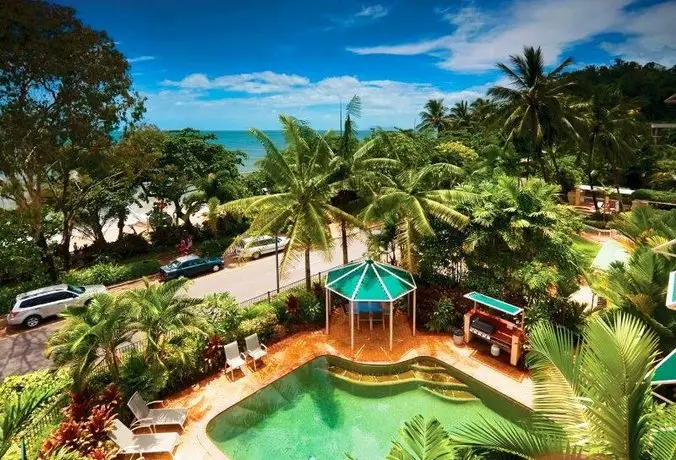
(174, 264)
(76, 289)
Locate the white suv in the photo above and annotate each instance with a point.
(256, 247)
(32, 307)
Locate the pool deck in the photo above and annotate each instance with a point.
(216, 393)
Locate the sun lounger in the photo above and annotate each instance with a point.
(139, 444)
(147, 417)
(254, 349)
(234, 359)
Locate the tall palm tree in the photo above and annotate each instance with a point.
(535, 103)
(590, 400)
(460, 114)
(90, 333)
(162, 312)
(482, 110)
(303, 206)
(16, 411)
(413, 197)
(612, 134)
(434, 116)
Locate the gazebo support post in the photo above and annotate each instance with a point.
(328, 303)
(352, 325)
(391, 322)
(414, 313)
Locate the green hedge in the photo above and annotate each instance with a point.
(112, 273)
(655, 195)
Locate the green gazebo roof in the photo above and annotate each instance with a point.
(495, 304)
(665, 371)
(369, 280)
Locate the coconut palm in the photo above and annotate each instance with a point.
(303, 206)
(435, 116)
(612, 134)
(535, 103)
(590, 400)
(162, 312)
(354, 165)
(460, 114)
(413, 197)
(17, 411)
(422, 440)
(91, 333)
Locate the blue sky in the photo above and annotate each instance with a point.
(239, 64)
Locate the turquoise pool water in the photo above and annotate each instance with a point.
(330, 407)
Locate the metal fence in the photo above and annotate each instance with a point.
(33, 436)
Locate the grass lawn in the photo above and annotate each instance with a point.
(586, 248)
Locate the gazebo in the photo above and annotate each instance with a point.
(368, 282)
(665, 374)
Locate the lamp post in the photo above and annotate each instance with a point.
(277, 260)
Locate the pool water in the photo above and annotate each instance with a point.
(330, 407)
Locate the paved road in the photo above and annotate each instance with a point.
(24, 351)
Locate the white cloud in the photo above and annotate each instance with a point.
(253, 83)
(482, 38)
(385, 102)
(651, 36)
(373, 11)
(141, 59)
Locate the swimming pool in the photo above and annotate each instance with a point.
(330, 406)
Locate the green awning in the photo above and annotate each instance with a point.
(671, 291)
(369, 280)
(495, 304)
(665, 371)
(611, 251)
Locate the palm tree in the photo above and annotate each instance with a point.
(612, 131)
(413, 197)
(460, 114)
(17, 411)
(534, 104)
(162, 313)
(91, 333)
(435, 116)
(482, 110)
(422, 440)
(303, 206)
(590, 400)
(646, 225)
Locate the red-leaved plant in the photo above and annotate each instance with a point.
(85, 430)
(213, 352)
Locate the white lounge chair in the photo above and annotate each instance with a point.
(147, 417)
(254, 349)
(139, 444)
(234, 359)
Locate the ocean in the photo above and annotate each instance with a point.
(246, 142)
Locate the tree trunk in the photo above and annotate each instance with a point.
(99, 237)
(308, 274)
(343, 237)
(65, 242)
(121, 218)
(616, 177)
(46, 256)
(590, 167)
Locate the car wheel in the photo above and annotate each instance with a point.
(32, 321)
(216, 268)
(256, 255)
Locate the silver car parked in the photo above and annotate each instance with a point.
(30, 308)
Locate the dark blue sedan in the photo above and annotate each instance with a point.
(190, 266)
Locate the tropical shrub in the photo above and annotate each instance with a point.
(222, 312)
(185, 361)
(445, 316)
(263, 325)
(213, 247)
(655, 195)
(112, 273)
(148, 378)
(47, 380)
(454, 152)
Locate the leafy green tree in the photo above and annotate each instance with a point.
(518, 239)
(302, 207)
(17, 411)
(91, 333)
(434, 116)
(192, 160)
(17, 246)
(162, 312)
(63, 88)
(590, 400)
(535, 104)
